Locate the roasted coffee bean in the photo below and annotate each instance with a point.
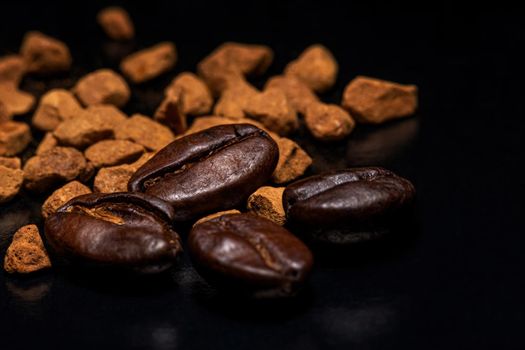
(209, 171)
(130, 230)
(347, 206)
(247, 253)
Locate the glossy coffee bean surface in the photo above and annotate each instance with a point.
(244, 252)
(209, 171)
(130, 230)
(349, 205)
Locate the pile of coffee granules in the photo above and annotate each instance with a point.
(217, 153)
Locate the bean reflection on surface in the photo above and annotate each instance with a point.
(381, 145)
(27, 291)
(359, 324)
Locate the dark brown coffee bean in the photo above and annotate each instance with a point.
(244, 252)
(131, 230)
(347, 206)
(209, 171)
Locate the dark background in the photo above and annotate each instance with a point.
(453, 278)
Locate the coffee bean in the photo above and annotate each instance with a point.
(209, 171)
(347, 206)
(129, 230)
(247, 253)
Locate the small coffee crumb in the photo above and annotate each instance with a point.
(11, 162)
(235, 99)
(171, 113)
(62, 196)
(48, 142)
(293, 161)
(106, 114)
(102, 86)
(328, 122)
(298, 94)
(376, 101)
(149, 63)
(268, 202)
(45, 55)
(146, 132)
(271, 108)
(230, 62)
(195, 95)
(82, 132)
(14, 138)
(14, 101)
(219, 77)
(91, 125)
(250, 59)
(26, 253)
(53, 167)
(116, 23)
(113, 152)
(11, 180)
(55, 106)
(12, 69)
(216, 215)
(316, 67)
(115, 178)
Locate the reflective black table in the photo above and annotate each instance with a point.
(452, 278)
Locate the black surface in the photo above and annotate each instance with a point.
(453, 279)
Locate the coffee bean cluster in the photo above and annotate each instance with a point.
(154, 177)
(213, 170)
